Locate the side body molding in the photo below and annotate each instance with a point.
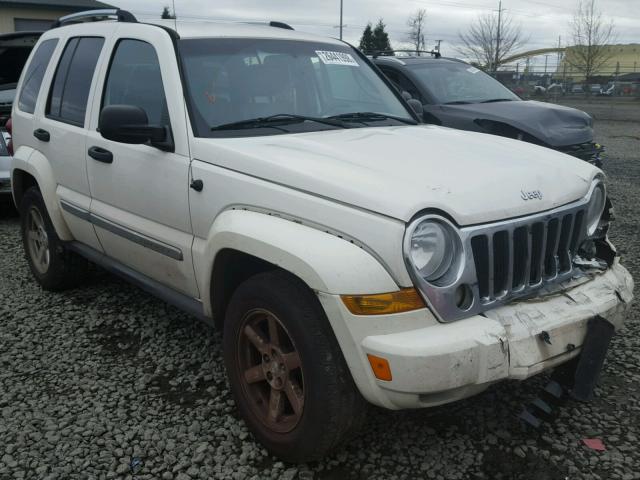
(326, 263)
(37, 165)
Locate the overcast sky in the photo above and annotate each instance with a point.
(542, 20)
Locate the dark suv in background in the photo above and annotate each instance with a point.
(458, 95)
(15, 49)
(14, 52)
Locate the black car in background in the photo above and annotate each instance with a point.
(456, 94)
(14, 52)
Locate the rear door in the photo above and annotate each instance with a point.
(140, 204)
(60, 134)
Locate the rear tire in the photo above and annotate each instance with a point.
(53, 266)
(287, 373)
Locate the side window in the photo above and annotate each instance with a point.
(34, 75)
(406, 84)
(391, 75)
(72, 82)
(135, 79)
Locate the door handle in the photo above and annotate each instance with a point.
(42, 135)
(101, 155)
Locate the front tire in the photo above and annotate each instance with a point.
(287, 373)
(53, 267)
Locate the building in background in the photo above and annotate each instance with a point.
(624, 59)
(37, 15)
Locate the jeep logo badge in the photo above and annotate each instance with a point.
(532, 195)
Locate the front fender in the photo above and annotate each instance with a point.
(35, 164)
(325, 262)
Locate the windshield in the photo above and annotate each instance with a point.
(239, 80)
(456, 82)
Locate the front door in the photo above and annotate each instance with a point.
(139, 193)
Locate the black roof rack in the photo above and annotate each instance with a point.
(416, 53)
(96, 16)
(286, 26)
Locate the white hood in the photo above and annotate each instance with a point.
(399, 171)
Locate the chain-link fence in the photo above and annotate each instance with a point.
(565, 80)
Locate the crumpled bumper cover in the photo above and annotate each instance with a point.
(445, 362)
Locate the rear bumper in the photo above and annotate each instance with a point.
(5, 184)
(434, 363)
(5, 175)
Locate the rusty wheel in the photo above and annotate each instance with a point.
(286, 370)
(272, 376)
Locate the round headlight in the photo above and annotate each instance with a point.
(434, 249)
(596, 208)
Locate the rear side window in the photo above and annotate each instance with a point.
(135, 79)
(72, 82)
(34, 75)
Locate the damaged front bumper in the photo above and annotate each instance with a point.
(441, 363)
(591, 152)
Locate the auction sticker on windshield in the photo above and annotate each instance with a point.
(336, 58)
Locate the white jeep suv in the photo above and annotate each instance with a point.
(272, 183)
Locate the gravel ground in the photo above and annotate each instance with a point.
(105, 380)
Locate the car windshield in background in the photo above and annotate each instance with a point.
(242, 87)
(459, 83)
(7, 94)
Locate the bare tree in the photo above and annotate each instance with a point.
(592, 35)
(416, 24)
(491, 39)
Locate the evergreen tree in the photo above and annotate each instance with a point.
(166, 14)
(381, 38)
(367, 44)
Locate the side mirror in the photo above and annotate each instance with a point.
(130, 124)
(416, 106)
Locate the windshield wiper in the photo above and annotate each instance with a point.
(370, 117)
(494, 100)
(274, 121)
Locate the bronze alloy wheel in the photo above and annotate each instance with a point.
(38, 241)
(270, 370)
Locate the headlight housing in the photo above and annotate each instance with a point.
(433, 250)
(596, 207)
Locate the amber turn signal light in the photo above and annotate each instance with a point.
(385, 303)
(380, 367)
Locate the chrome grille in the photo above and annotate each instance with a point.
(514, 258)
(505, 260)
